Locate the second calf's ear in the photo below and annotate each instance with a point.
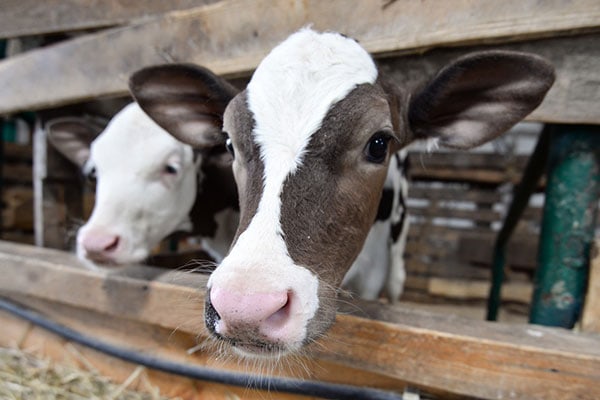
(73, 137)
(478, 97)
(187, 101)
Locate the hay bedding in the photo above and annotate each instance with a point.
(23, 376)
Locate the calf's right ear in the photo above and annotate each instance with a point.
(188, 101)
(478, 97)
(73, 136)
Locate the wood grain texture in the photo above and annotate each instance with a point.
(231, 37)
(33, 17)
(439, 353)
(590, 320)
(460, 289)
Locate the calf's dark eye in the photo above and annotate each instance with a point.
(170, 170)
(91, 175)
(229, 146)
(377, 148)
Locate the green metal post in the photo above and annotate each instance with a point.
(568, 224)
(521, 194)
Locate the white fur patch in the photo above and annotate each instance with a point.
(433, 144)
(289, 94)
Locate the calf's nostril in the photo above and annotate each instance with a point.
(113, 245)
(211, 316)
(99, 242)
(279, 317)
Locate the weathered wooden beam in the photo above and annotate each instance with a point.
(572, 99)
(58, 194)
(460, 289)
(440, 353)
(33, 17)
(231, 37)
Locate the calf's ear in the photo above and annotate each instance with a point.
(478, 97)
(188, 101)
(73, 136)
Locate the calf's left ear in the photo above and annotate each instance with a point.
(73, 136)
(478, 97)
(186, 100)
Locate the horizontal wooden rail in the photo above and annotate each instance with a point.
(439, 353)
(231, 37)
(33, 17)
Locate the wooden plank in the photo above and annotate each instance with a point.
(466, 160)
(17, 212)
(479, 176)
(418, 230)
(520, 292)
(443, 352)
(478, 215)
(231, 37)
(575, 88)
(58, 195)
(521, 250)
(590, 319)
(17, 152)
(33, 17)
(17, 173)
(471, 309)
(442, 268)
(416, 190)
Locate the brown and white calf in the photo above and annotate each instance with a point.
(148, 185)
(312, 135)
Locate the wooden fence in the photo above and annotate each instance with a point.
(456, 200)
(160, 313)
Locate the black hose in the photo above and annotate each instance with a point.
(275, 384)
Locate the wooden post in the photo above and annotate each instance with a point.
(590, 320)
(58, 194)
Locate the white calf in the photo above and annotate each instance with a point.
(148, 185)
(312, 136)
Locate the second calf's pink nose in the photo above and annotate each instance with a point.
(266, 311)
(99, 242)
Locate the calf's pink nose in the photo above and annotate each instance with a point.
(266, 311)
(99, 242)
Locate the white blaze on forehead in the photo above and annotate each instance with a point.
(294, 87)
(289, 95)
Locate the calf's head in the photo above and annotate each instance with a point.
(311, 137)
(145, 183)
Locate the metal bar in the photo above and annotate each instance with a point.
(521, 194)
(568, 225)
